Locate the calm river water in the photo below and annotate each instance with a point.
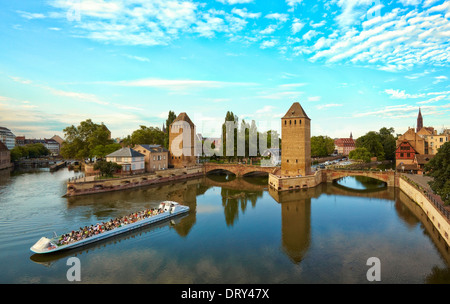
(236, 232)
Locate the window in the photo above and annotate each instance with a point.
(402, 154)
(295, 121)
(285, 122)
(290, 122)
(287, 160)
(300, 122)
(153, 158)
(441, 139)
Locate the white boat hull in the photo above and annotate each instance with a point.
(41, 247)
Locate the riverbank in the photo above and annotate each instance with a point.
(91, 185)
(431, 204)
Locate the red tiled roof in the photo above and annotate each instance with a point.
(344, 142)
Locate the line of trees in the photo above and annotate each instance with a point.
(380, 144)
(29, 151)
(439, 168)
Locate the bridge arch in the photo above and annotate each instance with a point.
(237, 169)
(385, 176)
(218, 170)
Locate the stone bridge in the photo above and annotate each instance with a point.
(238, 169)
(386, 176)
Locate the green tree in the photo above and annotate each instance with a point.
(147, 135)
(101, 151)
(321, 146)
(360, 154)
(170, 119)
(372, 143)
(29, 151)
(388, 141)
(107, 169)
(80, 141)
(439, 169)
(230, 117)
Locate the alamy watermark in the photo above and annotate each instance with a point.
(74, 272)
(374, 272)
(74, 11)
(257, 141)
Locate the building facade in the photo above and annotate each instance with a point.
(405, 153)
(132, 162)
(343, 146)
(417, 146)
(182, 145)
(5, 157)
(156, 157)
(296, 142)
(8, 138)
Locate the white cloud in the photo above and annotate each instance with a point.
(30, 16)
(293, 3)
(176, 84)
(330, 105)
(78, 96)
(265, 109)
(309, 35)
(269, 30)
(410, 2)
(397, 94)
(278, 16)
(434, 99)
(269, 43)
(314, 98)
(297, 26)
(391, 42)
(150, 23)
(232, 2)
(244, 14)
(440, 79)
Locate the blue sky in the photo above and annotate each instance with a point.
(354, 65)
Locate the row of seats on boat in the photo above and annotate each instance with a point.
(92, 230)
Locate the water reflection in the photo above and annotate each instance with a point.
(295, 222)
(238, 230)
(360, 183)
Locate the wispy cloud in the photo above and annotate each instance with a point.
(176, 84)
(330, 105)
(397, 94)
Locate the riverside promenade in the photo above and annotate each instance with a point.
(94, 184)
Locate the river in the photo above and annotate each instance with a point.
(237, 231)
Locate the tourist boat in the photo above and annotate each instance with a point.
(169, 210)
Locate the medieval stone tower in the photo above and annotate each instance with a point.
(295, 142)
(182, 144)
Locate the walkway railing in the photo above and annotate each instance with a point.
(430, 196)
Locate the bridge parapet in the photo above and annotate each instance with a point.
(386, 176)
(238, 169)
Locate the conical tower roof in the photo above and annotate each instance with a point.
(183, 117)
(296, 111)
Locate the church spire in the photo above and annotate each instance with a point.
(419, 121)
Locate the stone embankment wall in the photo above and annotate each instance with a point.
(439, 220)
(91, 186)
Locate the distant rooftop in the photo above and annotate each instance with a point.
(154, 148)
(125, 152)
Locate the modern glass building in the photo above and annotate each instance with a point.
(8, 138)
